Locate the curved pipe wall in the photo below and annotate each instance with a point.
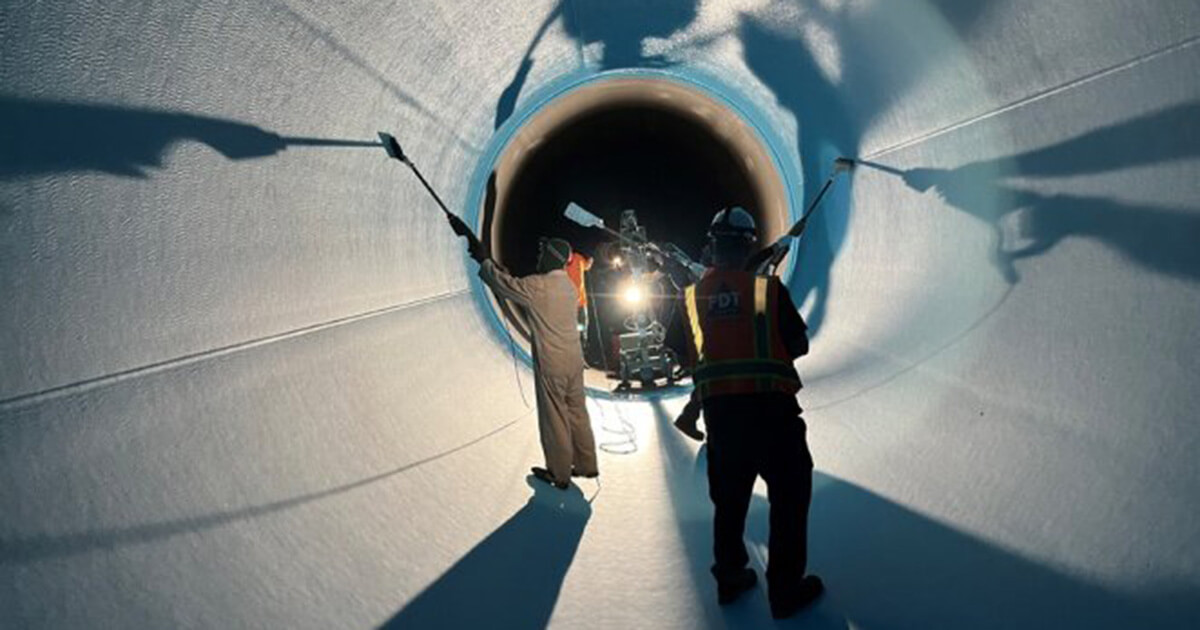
(234, 339)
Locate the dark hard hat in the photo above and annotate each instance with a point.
(733, 223)
(556, 248)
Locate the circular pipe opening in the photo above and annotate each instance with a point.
(671, 153)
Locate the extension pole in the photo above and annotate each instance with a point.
(766, 261)
(474, 245)
(301, 141)
(393, 150)
(839, 165)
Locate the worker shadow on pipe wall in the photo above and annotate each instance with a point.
(887, 566)
(825, 129)
(512, 578)
(47, 137)
(1021, 203)
(838, 68)
(611, 34)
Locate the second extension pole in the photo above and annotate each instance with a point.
(768, 260)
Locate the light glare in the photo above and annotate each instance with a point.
(632, 295)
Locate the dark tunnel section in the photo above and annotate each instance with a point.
(668, 168)
(663, 161)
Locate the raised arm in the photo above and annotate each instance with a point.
(791, 325)
(520, 290)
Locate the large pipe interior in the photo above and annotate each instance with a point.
(248, 377)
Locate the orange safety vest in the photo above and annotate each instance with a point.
(734, 320)
(577, 264)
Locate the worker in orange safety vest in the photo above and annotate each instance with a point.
(577, 267)
(745, 335)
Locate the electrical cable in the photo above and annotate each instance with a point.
(626, 430)
(598, 489)
(512, 347)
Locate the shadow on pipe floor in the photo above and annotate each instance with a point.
(886, 566)
(512, 578)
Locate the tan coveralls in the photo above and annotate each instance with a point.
(551, 301)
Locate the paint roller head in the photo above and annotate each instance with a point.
(843, 164)
(392, 147)
(577, 214)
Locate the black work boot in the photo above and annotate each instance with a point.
(786, 602)
(548, 477)
(728, 589)
(592, 475)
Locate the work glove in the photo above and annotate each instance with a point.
(758, 260)
(476, 249)
(762, 262)
(457, 225)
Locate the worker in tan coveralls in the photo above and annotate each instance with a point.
(551, 302)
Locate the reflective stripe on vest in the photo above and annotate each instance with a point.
(762, 328)
(694, 319)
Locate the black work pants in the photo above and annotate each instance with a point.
(759, 435)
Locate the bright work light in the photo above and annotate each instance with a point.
(632, 294)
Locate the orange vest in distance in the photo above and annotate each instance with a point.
(577, 264)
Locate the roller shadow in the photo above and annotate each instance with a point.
(46, 137)
(838, 68)
(1026, 223)
(886, 566)
(512, 578)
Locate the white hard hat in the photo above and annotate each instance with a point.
(733, 222)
